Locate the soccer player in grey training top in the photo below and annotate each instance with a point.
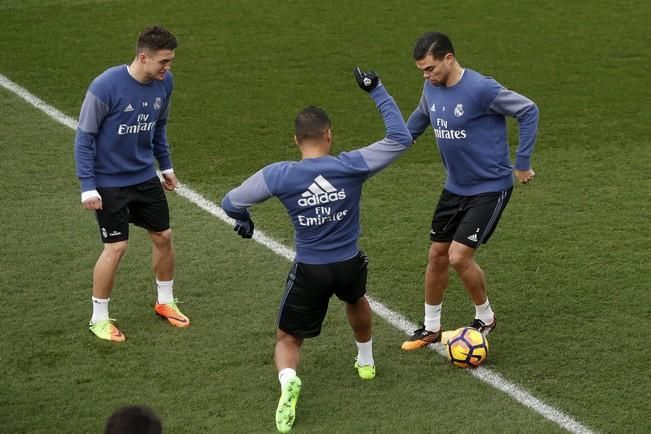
(122, 130)
(467, 113)
(322, 195)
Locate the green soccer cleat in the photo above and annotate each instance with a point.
(105, 329)
(286, 411)
(366, 372)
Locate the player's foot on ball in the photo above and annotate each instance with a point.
(172, 313)
(365, 372)
(484, 328)
(286, 411)
(105, 329)
(421, 338)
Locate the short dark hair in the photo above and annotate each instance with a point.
(133, 419)
(435, 43)
(156, 38)
(311, 123)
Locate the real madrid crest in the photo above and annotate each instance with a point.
(458, 110)
(157, 103)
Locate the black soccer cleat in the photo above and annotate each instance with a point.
(421, 338)
(484, 328)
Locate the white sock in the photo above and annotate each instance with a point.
(285, 375)
(165, 291)
(433, 317)
(484, 312)
(100, 309)
(365, 353)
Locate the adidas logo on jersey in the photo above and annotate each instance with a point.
(321, 191)
(129, 108)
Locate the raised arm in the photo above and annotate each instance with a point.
(380, 154)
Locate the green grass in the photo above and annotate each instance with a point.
(567, 268)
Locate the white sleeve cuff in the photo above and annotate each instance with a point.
(89, 194)
(170, 170)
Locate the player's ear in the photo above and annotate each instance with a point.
(296, 140)
(329, 135)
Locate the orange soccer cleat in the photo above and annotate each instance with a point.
(421, 338)
(171, 312)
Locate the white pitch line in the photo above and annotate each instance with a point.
(395, 319)
(216, 211)
(35, 101)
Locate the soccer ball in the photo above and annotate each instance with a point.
(467, 348)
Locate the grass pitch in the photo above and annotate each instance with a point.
(566, 268)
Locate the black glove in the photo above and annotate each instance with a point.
(244, 228)
(366, 80)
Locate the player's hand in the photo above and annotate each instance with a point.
(524, 176)
(169, 181)
(366, 80)
(244, 228)
(92, 203)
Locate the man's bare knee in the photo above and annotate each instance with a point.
(438, 257)
(461, 256)
(161, 239)
(115, 251)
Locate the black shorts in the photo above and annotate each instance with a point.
(144, 205)
(308, 290)
(469, 220)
